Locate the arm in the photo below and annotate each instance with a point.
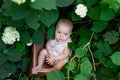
(48, 47)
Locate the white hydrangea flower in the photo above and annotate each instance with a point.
(29, 43)
(19, 1)
(81, 10)
(33, 0)
(10, 35)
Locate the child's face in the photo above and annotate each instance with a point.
(62, 32)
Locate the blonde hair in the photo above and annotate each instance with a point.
(66, 22)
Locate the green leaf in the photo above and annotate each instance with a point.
(72, 45)
(106, 13)
(2, 45)
(111, 37)
(99, 26)
(25, 64)
(90, 2)
(55, 75)
(32, 20)
(15, 23)
(83, 31)
(86, 67)
(20, 47)
(19, 12)
(49, 17)
(51, 32)
(25, 37)
(81, 77)
(64, 3)
(80, 52)
(103, 47)
(38, 37)
(14, 55)
(3, 59)
(115, 4)
(70, 66)
(116, 58)
(75, 17)
(7, 69)
(40, 4)
(97, 54)
(94, 13)
(82, 42)
(101, 12)
(0, 20)
(24, 78)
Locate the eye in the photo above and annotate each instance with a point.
(66, 34)
(59, 32)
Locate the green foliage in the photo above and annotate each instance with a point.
(95, 40)
(39, 4)
(55, 75)
(64, 3)
(115, 58)
(48, 17)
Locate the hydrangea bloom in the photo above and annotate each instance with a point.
(10, 35)
(32, 0)
(19, 1)
(81, 10)
(29, 43)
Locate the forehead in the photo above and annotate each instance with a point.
(64, 27)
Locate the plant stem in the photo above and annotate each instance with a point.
(68, 72)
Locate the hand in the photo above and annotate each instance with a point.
(50, 59)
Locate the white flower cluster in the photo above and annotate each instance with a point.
(29, 43)
(81, 10)
(19, 1)
(33, 0)
(10, 35)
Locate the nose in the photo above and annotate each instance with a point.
(61, 36)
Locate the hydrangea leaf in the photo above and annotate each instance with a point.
(116, 58)
(86, 67)
(103, 47)
(25, 37)
(14, 55)
(111, 37)
(2, 45)
(75, 17)
(101, 12)
(64, 3)
(115, 4)
(7, 69)
(90, 2)
(19, 12)
(94, 13)
(99, 26)
(106, 13)
(0, 20)
(40, 4)
(55, 75)
(70, 66)
(80, 52)
(83, 31)
(32, 20)
(81, 76)
(49, 17)
(51, 32)
(38, 37)
(25, 64)
(3, 59)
